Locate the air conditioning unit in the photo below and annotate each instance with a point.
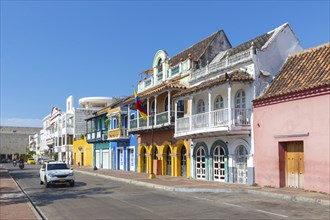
(104, 137)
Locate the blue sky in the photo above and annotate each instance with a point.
(53, 49)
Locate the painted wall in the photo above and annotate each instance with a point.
(309, 115)
(86, 149)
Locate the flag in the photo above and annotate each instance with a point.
(138, 105)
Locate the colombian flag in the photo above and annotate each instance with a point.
(138, 105)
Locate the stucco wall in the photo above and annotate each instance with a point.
(15, 139)
(309, 115)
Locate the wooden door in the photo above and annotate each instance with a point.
(295, 165)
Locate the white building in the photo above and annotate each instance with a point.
(60, 128)
(220, 111)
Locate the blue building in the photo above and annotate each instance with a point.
(113, 147)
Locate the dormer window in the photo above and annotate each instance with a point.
(160, 65)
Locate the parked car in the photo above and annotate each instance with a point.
(56, 173)
(31, 161)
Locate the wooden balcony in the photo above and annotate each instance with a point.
(118, 134)
(97, 136)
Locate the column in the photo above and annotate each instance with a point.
(229, 105)
(210, 106)
(175, 116)
(190, 112)
(169, 106)
(148, 111)
(155, 113)
(129, 118)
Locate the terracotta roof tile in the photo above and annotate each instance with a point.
(197, 50)
(258, 43)
(302, 71)
(173, 85)
(235, 76)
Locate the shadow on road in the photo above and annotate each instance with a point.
(42, 196)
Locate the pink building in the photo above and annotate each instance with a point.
(292, 124)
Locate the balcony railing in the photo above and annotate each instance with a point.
(213, 119)
(118, 134)
(161, 118)
(223, 64)
(166, 74)
(97, 136)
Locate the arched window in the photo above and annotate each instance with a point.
(240, 99)
(200, 106)
(218, 102)
(160, 65)
(200, 163)
(219, 171)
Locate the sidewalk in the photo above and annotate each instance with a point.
(181, 184)
(13, 202)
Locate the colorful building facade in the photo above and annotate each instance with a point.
(220, 118)
(158, 151)
(291, 124)
(82, 153)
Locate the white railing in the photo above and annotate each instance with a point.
(213, 119)
(219, 118)
(159, 77)
(199, 121)
(182, 124)
(223, 64)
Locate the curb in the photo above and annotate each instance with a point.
(192, 190)
(291, 198)
(38, 213)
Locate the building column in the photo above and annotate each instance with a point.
(175, 116)
(169, 106)
(129, 118)
(210, 107)
(148, 111)
(229, 105)
(155, 113)
(190, 112)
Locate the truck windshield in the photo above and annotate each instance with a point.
(57, 167)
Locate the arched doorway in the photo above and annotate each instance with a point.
(143, 160)
(200, 163)
(219, 170)
(241, 155)
(183, 161)
(168, 161)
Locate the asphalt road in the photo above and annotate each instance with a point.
(99, 198)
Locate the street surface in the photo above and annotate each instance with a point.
(99, 198)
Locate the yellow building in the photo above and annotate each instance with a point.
(82, 153)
